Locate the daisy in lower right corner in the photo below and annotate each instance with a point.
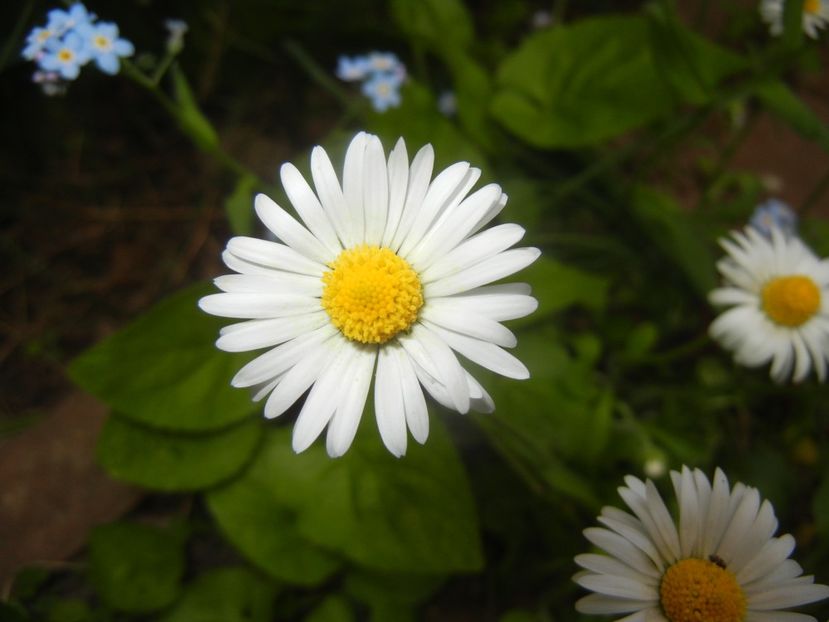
(815, 16)
(719, 563)
(778, 291)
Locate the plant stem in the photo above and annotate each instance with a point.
(314, 71)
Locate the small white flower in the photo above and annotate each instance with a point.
(778, 291)
(387, 279)
(719, 563)
(815, 16)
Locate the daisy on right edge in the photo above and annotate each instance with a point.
(815, 15)
(720, 563)
(778, 291)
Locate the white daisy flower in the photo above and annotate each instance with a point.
(720, 563)
(815, 15)
(778, 291)
(387, 279)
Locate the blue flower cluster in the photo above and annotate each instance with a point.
(381, 73)
(69, 40)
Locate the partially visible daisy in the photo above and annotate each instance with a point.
(774, 213)
(778, 291)
(105, 46)
(719, 563)
(387, 279)
(815, 15)
(66, 56)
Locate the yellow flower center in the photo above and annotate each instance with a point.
(102, 42)
(371, 294)
(811, 6)
(791, 300)
(66, 55)
(697, 590)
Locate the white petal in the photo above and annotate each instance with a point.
(497, 302)
(305, 372)
(278, 360)
(375, 191)
(270, 282)
(309, 208)
(445, 187)
(484, 353)
(489, 270)
(419, 176)
(346, 419)
(274, 255)
(480, 401)
(449, 372)
(599, 604)
(786, 596)
(398, 167)
(258, 306)
(388, 403)
(417, 416)
(622, 587)
(353, 184)
(468, 323)
(256, 334)
(331, 196)
(453, 226)
(290, 231)
(327, 393)
(473, 251)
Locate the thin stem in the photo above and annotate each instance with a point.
(726, 155)
(15, 36)
(215, 150)
(315, 72)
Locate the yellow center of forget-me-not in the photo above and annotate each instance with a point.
(790, 300)
(371, 294)
(698, 590)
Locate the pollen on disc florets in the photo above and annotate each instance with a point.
(698, 590)
(790, 300)
(371, 294)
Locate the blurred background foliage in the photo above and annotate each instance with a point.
(612, 127)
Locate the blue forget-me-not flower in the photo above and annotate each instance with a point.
(774, 213)
(381, 73)
(105, 46)
(65, 56)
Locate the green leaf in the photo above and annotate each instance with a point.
(334, 608)
(174, 462)
(558, 286)
(239, 205)
(410, 515)
(691, 65)
(69, 610)
(233, 594)
(580, 84)
(438, 24)
(781, 101)
(190, 117)
(257, 521)
(394, 593)
(558, 418)
(134, 567)
(672, 231)
(164, 371)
